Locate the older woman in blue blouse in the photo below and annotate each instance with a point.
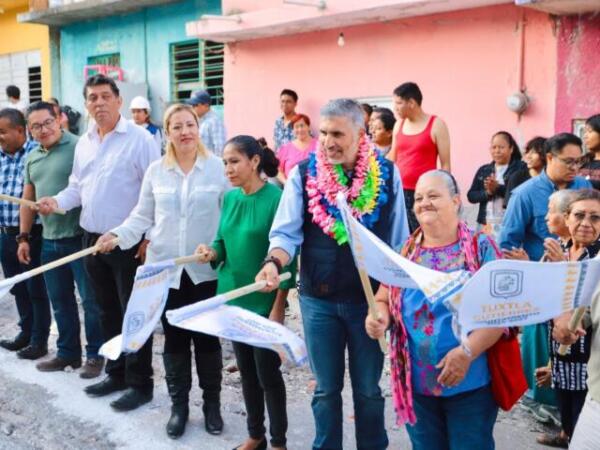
(440, 385)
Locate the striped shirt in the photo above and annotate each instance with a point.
(11, 182)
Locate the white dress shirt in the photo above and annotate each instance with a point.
(107, 175)
(180, 210)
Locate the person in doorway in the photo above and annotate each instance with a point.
(332, 299)
(212, 128)
(591, 138)
(110, 161)
(30, 295)
(489, 184)
(283, 131)
(420, 139)
(195, 177)
(47, 172)
(140, 113)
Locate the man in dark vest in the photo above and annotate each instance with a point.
(332, 300)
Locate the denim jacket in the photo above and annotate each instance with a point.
(524, 223)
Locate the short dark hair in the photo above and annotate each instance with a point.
(14, 116)
(387, 118)
(367, 108)
(290, 93)
(409, 90)
(594, 122)
(100, 80)
(556, 143)
(41, 106)
(536, 145)
(13, 91)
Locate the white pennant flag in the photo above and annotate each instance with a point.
(213, 316)
(506, 293)
(145, 306)
(502, 293)
(385, 265)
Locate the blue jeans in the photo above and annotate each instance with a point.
(61, 290)
(458, 422)
(30, 295)
(330, 327)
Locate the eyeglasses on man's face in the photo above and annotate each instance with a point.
(37, 127)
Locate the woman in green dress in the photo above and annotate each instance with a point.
(237, 252)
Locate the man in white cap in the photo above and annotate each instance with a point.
(140, 113)
(212, 128)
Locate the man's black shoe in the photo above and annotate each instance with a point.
(105, 387)
(33, 351)
(132, 398)
(15, 344)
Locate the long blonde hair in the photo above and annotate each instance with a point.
(170, 158)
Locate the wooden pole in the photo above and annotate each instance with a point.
(573, 324)
(244, 290)
(62, 261)
(366, 284)
(28, 203)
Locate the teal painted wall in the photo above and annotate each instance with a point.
(142, 39)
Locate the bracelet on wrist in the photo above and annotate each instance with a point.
(274, 260)
(22, 237)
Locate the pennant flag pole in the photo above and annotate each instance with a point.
(28, 203)
(7, 284)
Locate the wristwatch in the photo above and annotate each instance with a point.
(22, 237)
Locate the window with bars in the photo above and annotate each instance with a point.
(35, 83)
(197, 65)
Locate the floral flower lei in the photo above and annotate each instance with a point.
(366, 194)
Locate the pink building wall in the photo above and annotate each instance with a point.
(578, 84)
(466, 62)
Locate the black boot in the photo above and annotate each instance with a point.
(210, 373)
(178, 374)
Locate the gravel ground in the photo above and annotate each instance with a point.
(50, 411)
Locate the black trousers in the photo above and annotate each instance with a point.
(177, 340)
(112, 276)
(409, 201)
(570, 404)
(262, 382)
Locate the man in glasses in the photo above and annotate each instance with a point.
(46, 173)
(524, 227)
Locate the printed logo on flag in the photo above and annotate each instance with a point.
(135, 322)
(506, 283)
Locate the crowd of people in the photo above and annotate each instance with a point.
(144, 193)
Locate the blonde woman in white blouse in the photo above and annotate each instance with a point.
(180, 207)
